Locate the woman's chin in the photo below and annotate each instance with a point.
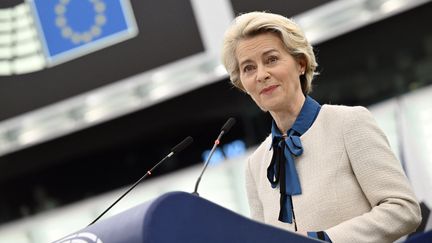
(270, 106)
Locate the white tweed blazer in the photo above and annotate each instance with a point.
(353, 186)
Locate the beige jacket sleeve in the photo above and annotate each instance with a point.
(395, 210)
(255, 205)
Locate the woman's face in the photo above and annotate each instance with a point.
(268, 73)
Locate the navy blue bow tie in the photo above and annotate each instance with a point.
(282, 171)
(282, 168)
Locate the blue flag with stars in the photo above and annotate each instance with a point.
(72, 28)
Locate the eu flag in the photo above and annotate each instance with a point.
(72, 28)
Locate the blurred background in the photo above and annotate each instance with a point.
(94, 93)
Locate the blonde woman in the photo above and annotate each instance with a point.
(325, 171)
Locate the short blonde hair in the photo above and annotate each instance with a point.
(254, 23)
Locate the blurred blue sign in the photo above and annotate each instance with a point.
(230, 150)
(72, 28)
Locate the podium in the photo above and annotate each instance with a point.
(181, 217)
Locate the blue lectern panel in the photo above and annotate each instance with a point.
(181, 217)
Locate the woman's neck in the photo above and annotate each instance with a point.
(286, 117)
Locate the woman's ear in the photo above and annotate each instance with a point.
(302, 64)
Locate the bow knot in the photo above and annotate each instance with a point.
(282, 170)
(293, 144)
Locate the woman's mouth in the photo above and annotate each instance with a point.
(269, 89)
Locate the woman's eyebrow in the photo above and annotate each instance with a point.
(263, 54)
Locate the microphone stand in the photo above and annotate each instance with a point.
(179, 147)
(216, 143)
(226, 127)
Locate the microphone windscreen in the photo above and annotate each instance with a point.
(227, 126)
(182, 145)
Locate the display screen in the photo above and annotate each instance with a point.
(162, 26)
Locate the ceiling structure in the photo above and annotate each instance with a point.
(148, 88)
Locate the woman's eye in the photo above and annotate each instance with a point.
(248, 68)
(271, 59)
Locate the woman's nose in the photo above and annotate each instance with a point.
(262, 74)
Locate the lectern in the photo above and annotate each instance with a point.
(180, 217)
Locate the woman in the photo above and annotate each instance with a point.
(324, 171)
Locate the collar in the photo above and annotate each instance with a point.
(304, 120)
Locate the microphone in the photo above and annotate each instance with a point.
(178, 148)
(225, 128)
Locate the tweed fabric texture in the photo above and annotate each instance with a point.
(353, 186)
